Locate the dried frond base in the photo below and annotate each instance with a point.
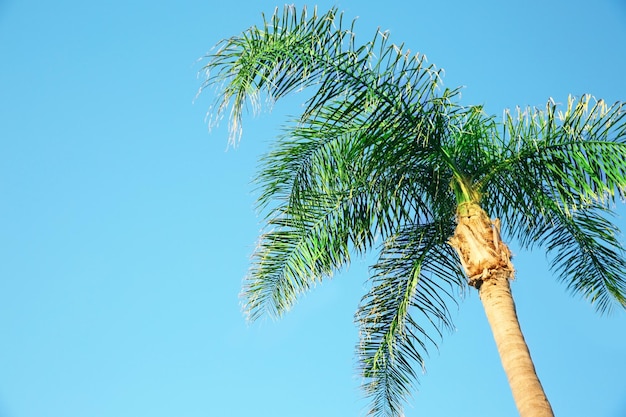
(479, 246)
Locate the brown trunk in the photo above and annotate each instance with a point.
(487, 262)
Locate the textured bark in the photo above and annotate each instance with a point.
(477, 241)
(487, 263)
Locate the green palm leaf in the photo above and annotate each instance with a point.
(290, 53)
(332, 199)
(587, 256)
(552, 187)
(416, 275)
(577, 154)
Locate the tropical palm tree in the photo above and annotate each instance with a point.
(383, 157)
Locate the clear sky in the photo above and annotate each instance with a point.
(126, 227)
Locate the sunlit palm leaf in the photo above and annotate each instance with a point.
(587, 255)
(578, 154)
(416, 275)
(290, 53)
(334, 198)
(552, 188)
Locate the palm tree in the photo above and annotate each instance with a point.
(383, 157)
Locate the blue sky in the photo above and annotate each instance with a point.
(126, 227)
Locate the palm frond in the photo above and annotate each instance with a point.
(517, 196)
(471, 150)
(291, 52)
(566, 160)
(587, 255)
(328, 196)
(276, 58)
(417, 274)
(297, 251)
(582, 241)
(559, 172)
(578, 154)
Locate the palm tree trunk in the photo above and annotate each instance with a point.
(487, 263)
(495, 294)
